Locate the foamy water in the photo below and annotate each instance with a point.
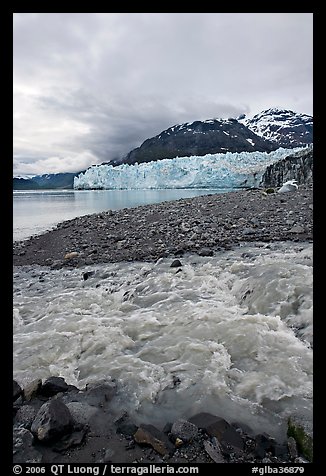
(234, 330)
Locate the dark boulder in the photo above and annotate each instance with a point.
(52, 386)
(52, 421)
(264, 443)
(150, 435)
(183, 429)
(176, 263)
(218, 427)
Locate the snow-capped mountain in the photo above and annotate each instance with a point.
(283, 127)
(199, 138)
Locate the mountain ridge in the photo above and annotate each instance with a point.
(266, 131)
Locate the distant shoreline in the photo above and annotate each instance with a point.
(202, 224)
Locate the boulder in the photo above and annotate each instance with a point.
(184, 430)
(176, 263)
(218, 427)
(100, 393)
(25, 416)
(17, 390)
(52, 421)
(214, 451)
(81, 412)
(52, 386)
(32, 389)
(150, 435)
(264, 443)
(23, 450)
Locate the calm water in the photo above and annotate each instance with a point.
(36, 211)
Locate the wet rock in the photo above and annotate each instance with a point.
(23, 450)
(100, 393)
(17, 390)
(32, 389)
(126, 427)
(81, 412)
(150, 435)
(205, 252)
(69, 441)
(303, 435)
(214, 451)
(292, 447)
(52, 386)
(52, 421)
(264, 443)
(279, 450)
(218, 427)
(183, 429)
(25, 416)
(176, 263)
(87, 275)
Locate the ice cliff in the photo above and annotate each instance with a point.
(229, 170)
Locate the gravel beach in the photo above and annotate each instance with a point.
(202, 225)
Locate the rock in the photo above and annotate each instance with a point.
(100, 393)
(297, 229)
(205, 252)
(71, 255)
(184, 430)
(125, 426)
(176, 264)
(81, 412)
(87, 275)
(218, 427)
(298, 166)
(263, 443)
(23, 451)
(248, 231)
(25, 416)
(52, 421)
(292, 447)
(214, 451)
(279, 450)
(17, 390)
(32, 389)
(52, 386)
(303, 436)
(57, 264)
(150, 435)
(69, 441)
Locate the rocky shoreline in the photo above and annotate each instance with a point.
(59, 423)
(56, 422)
(202, 225)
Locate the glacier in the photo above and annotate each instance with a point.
(228, 170)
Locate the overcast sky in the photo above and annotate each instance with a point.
(89, 87)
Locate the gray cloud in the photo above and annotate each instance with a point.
(90, 87)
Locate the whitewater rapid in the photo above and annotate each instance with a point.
(230, 334)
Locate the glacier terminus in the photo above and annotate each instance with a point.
(228, 170)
